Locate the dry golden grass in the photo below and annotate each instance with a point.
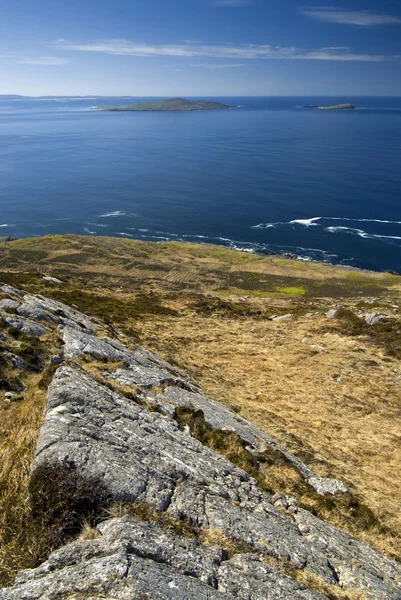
(19, 428)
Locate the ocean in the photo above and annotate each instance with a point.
(266, 176)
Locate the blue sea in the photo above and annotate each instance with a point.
(266, 176)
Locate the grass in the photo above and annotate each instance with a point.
(20, 545)
(292, 291)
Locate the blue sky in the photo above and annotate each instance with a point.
(200, 47)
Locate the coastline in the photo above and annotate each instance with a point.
(291, 258)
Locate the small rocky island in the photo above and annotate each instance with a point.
(174, 104)
(334, 107)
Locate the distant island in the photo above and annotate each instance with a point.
(175, 104)
(334, 107)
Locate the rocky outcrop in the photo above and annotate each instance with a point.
(119, 432)
(136, 560)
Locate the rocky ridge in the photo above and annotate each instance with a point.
(120, 434)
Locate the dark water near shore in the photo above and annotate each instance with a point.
(266, 176)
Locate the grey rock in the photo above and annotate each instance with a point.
(56, 359)
(374, 589)
(40, 308)
(282, 317)
(51, 279)
(2, 337)
(31, 310)
(77, 343)
(328, 487)
(371, 572)
(130, 561)
(374, 318)
(143, 377)
(7, 289)
(332, 313)
(27, 326)
(16, 362)
(248, 577)
(7, 304)
(8, 396)
(142, 455)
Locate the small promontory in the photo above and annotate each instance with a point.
(174, 104)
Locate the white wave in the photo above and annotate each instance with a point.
(124, 233)
(200, 237)
(4, 225)
(389, 237)
(114, 213)
(340, 229)
(97, 224)
(250, 250)
(267, 225)
(306, 222)
(89, 231)
(311, 222)
(362, 220)
(361, 233)
(164, 233)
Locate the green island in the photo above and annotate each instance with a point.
(334, 107)
(174, 104)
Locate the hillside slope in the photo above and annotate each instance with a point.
(327, 389)
(184, 479)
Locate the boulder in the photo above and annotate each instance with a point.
(26, 326)
(7, 304)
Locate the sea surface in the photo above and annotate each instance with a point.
(266, 176)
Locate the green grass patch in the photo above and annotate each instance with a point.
(292, 290)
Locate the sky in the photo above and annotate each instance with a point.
(200, 47)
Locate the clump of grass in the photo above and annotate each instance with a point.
(47, 376)
(213, 536)
(227, 443)
(88, 532)
(314, 582)
(61, 497)
(146, 512)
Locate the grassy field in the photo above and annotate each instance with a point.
(328, 389)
